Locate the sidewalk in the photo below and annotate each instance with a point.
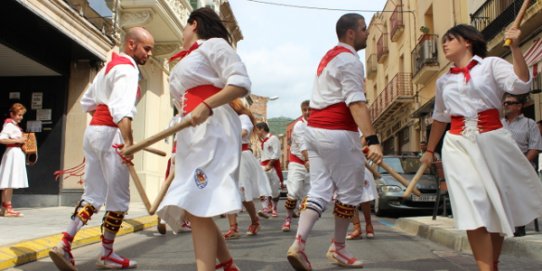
(443, 231)
(28, 238)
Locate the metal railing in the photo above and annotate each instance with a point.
(396, 20)
(399, 87)
(382, 49)
(425, 53)
(494, 15)
(103, 23)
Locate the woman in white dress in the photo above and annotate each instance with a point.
(13, 168)
(251, 174)
(492, 185)
(207, 78)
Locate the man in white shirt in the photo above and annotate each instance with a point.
(298, 167)
(111, 100)
(270, 162)
(338, 109)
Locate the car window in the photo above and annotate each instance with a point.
(393, 162)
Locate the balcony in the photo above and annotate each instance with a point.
(398, 92)
(425, 58)
(396, 22)
(382, 49)
(495, 15)
(101, 21)
(372, 65)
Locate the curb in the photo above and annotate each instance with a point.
(32, 250)
(444, 233)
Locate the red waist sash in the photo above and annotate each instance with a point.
(487, 121)
(334, 117)
(18, 145)
(245, 147)
(194, 96)
(294, 159)
(102, 117)
(277, 168)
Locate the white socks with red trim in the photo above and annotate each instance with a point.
(341, 228)
(307, 219)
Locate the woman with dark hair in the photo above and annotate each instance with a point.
(207, 78)
(13, 168)
(491, 183)
(251, 175)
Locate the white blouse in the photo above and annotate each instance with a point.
(490, 79)
(214, 62)
(271, 148)
(298, 138)
(10, 131)
(340, 81)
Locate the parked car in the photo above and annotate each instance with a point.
(390, 191)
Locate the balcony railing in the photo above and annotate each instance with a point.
(382, 49)
(372, 65)
(398, 91)
(425, 53)
(397, 23)
(494, 15)
(103, 22)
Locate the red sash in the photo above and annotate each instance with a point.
(487, 121)
(245, 147)
(194, 96)
(276, 166)
(294, 159)
(336, 116)
(102, 117)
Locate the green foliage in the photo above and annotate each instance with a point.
(278, 125)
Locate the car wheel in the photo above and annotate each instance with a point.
(378, 210)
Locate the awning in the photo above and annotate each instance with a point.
(533, 56)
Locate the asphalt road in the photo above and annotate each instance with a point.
(390, 250)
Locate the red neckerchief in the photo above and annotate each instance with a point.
(329, 56)
(464, 70)
(184, 53)
(265, 139)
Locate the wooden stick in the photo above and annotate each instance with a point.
(140, 188)
(415, 180)
(162, 193)
(518, 19)
(155, 151)
(398, 177)
(159, 136)
(375, 173)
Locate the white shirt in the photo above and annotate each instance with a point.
(271, 148)
(246, 125)
(525, 132)
(117, 90)
(490, 79)
(340, 81)
(298, 138)
(214, 62)
(10, 131)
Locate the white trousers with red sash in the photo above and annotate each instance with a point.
(206, 170)
(107, 179)
(490, 182)
(337, 165)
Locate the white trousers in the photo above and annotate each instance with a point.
(107, 179)
(274, 182)
(298, 182)
(337, 165)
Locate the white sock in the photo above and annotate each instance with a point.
(75, 225)
(307, 219)
(341, 227)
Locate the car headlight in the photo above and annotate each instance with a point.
(390, 188)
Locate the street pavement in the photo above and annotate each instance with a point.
(392, 249)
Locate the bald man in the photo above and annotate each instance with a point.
(111, 100)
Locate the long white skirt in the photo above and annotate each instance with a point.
(13, 169)
(206, 170)
(251, 176)
(369, 187)
(490, 182)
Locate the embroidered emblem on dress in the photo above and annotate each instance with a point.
(200, 178)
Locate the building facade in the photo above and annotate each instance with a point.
(53, 55)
